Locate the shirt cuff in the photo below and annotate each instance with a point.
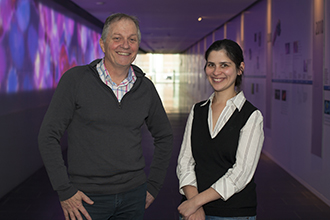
(187, 182)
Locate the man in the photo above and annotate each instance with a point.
(103, 106)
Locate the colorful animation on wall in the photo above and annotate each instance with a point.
(38, 44)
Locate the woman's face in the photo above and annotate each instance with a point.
(221, 71)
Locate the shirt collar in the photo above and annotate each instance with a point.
(238, 100)
(131, 75)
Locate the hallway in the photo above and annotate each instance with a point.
(279, 195)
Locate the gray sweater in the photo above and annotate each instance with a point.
(104, 137)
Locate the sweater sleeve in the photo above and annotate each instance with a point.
(55, 122)
(160, 129)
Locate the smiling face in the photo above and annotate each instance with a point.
(221, 71)
(121, 45)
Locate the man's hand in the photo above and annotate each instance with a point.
(149, 200)
(73, 206)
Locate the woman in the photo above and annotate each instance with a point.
(222, 144)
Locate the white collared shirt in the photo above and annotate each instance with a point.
(247, 155)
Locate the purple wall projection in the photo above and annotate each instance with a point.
(39, 40)
(38, 44)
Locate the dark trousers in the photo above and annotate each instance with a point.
(126, 205)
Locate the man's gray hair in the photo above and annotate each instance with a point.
(117, 17)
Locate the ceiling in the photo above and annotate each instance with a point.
(169, 26)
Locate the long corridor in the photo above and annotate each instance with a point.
(279, 195)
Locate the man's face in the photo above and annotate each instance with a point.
(121, 45)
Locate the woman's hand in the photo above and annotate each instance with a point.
(198, 215)
(190, 210)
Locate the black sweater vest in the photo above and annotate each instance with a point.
(214, 157)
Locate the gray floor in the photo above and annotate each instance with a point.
(279, 195)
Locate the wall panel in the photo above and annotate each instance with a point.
(287, 77)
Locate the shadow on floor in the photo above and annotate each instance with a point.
(279, 195)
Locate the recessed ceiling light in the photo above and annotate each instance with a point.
(200, 19)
